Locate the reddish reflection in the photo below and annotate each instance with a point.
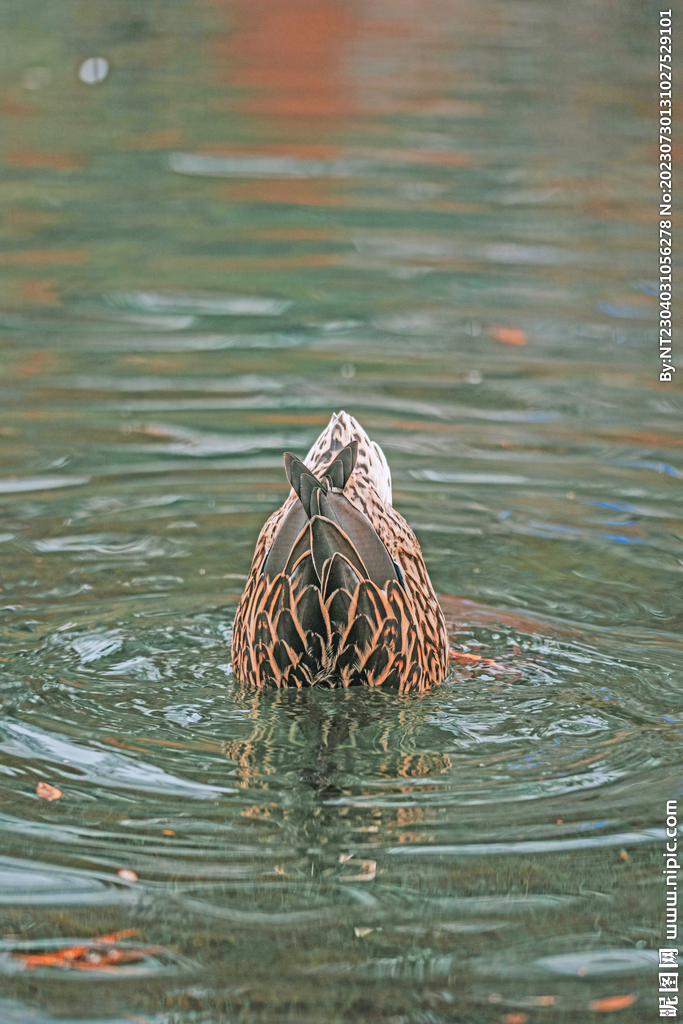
(317, 79)
(289, 58)
(318, 60)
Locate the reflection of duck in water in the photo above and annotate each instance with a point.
(329, 741)
(333, 769)
(338, 592)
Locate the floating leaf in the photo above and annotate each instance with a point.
(471, 659)
(508, 335)
(48, 792)
(613, 1003)
(93, 955)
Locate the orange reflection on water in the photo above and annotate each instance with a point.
(317, 79)
(38, 257)
(29, 159)
(289, 58)
(311, 60)
(39, 292)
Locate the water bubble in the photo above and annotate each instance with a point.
(93, 70)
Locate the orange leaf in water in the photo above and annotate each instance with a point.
(613, 1003)
(83, 958)
(515, 1018)
(127, 875)
(48, 792)
(508, 335)
(471, 659)
(464, 659)
(55, 958)
(92, 956)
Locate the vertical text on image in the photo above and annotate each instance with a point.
(668, 956)
(667, 368)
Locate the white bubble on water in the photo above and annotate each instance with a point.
(93, 70)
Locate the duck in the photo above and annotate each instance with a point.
(338, 593)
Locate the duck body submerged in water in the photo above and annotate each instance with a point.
(338, 592)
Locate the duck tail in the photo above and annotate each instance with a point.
(371, 468)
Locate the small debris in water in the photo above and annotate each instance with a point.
(613, 1003)
(48, 792)
(127, 875)
(508, 335)
(89, 956)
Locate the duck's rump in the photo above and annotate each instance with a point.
(331, 604)
(338, 592)
(334, 632)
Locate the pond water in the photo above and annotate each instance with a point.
(439, 216)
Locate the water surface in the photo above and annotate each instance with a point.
(439, 217)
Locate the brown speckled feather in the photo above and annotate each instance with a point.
(323, 615)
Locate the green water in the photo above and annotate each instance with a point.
(441, 218)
